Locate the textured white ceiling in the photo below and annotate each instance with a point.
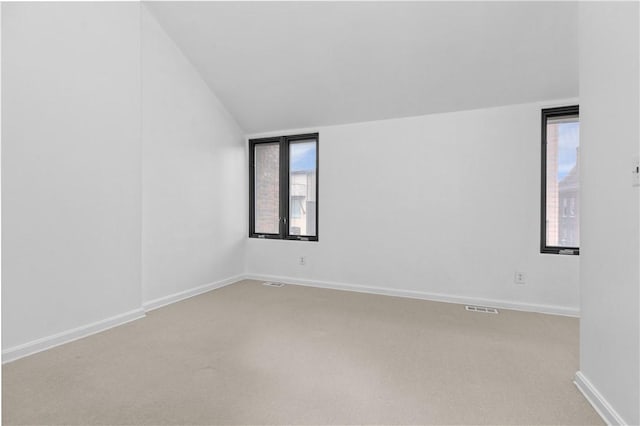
(285, 65)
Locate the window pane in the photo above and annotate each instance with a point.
(563, 136)
(302, 188)
(267, 188)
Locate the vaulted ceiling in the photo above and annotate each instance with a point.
(286, 65)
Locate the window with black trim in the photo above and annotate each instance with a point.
(560, 202)
(283, 187)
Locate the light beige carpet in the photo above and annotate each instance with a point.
(252, 354)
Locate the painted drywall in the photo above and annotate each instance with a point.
(194, 174)
(444, 204)
(71, 166)
(279, 65)
(609, 262)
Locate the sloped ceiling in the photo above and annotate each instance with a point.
(286, 65)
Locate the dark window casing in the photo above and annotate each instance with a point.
(284, 228)
(551, 113)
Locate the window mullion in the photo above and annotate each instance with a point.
(284, 187)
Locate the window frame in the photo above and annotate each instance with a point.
(548, 113)
(284, 170)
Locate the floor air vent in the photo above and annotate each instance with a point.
(272, 284)
(482, 309)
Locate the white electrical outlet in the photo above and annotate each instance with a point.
(302, 261)
(519, 278)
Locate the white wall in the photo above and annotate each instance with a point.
(71, 166)
(123, 176)
(446, 204)
(609, 264)
(194, 174)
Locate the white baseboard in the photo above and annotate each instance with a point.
(599, 403)
(20, 351)
(39, 345)
(414, 294)
(176, 297)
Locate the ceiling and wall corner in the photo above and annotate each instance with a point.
(193, 175)
(289, 65)
(364, 62)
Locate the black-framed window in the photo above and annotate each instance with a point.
(560, 201)
(283, 187)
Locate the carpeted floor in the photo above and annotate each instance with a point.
(251, 354)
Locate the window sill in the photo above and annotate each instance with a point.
(573, 251)
(277, 237)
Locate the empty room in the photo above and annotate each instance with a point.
(320, 213)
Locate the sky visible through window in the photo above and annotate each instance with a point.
(303, 156)
(568, 138)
